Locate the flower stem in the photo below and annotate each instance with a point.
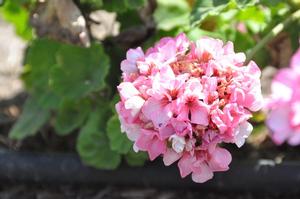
(277, 29)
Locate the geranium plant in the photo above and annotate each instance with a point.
(284, 104)
(182, 98)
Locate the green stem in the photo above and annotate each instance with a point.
(277, 29)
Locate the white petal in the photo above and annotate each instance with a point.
(242, 132)
(178, 143)
(127, 90)
(134, 104)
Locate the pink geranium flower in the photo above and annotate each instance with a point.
(181, 99)
(284, 104)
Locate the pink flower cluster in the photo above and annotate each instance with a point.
(181, 99)
(284, 104)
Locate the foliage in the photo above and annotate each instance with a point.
(33, 117)
(73, 88)
(15, 12)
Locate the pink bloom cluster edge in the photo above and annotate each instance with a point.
(284, 104)
(181, 99)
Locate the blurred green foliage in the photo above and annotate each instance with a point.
(16, 13)
(74, 88)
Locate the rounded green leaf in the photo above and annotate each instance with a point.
(93, 144)
(71, 115)
(79, 71)
(39, 60)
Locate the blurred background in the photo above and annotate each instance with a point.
(60, 65)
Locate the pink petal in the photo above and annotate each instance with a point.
(203, 174)
(166, 132)
(183, 113)
(278, 122)
(145, 139)
(185, 165)
(128, 67)
(170, 157)
(283, 84)
(199, 115)
(168, 50)
(134, 54)
(228, 48)
(253, 69)
(156, 148)
(155, 110)
(220, 159)
(254, 101)
(294, 139)
(216, 119)
(181, 128)
(295, 61)
(295, 119)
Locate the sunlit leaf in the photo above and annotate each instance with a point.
(170, 14)
(15, 13)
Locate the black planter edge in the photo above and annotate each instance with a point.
(42, 168)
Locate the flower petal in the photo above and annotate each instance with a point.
(220, 159)
(199, 115)
(170, 157)
(203, 174)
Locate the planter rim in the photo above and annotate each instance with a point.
(56, 168)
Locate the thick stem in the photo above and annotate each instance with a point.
(275, 31)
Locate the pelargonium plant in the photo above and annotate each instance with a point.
(182, 99)
(284, 104)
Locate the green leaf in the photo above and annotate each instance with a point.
(171, 14)
(254, 17)
(118, 140)
(15, 13)
(93, 144)
(136, 159)
(79, 71)
(205, 8)
(113, 103)
(94, 3)
(128, 19)
(134, 4)
(71, 115)
(31, 120)
(115, 5)
(270, 2)
(122, 5)
(39, 61)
